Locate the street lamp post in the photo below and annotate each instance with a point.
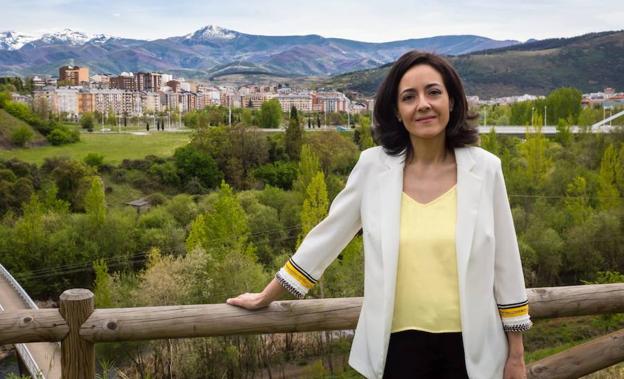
(532, 119)
(545, 114)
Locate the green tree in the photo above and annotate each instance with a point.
(309, 166)
(490, 141)
(563, 103)
(111, 118)
(610, 166)
(223, 229)
(95, 201)
(193, 163)
(576, 201)
(102, 285)
(270, 114)
(87, 121)
(315, 205)
(534, 152)
(365, 134)
(294, 136)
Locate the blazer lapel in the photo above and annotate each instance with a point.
(469, 188)
(390, 190)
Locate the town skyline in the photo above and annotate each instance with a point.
(360, 21)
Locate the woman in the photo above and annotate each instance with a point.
(444, 293)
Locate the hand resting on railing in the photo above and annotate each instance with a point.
(271, 292)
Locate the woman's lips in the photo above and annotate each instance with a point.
(424, 119)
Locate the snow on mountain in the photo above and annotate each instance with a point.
(212, 32)
(11, 40)
(67, 36)
(100, 38)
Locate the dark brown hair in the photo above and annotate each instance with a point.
(392, 135)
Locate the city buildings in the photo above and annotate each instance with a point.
(136, 94)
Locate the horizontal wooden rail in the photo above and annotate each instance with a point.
(593, 299)
(131, 324)
(581, 360)
(32, 325)
(181, 321)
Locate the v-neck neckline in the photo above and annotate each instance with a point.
(433, 201)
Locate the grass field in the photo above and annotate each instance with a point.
(114, 147)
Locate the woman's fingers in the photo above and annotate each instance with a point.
(246, 300)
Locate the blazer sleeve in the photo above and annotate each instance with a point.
(509, 289)
(327, 239)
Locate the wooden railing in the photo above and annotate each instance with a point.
(79, 326)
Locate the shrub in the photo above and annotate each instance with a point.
(94, 159)
(21, 136)
(62, 135)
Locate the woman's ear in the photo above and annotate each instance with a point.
(451, 103)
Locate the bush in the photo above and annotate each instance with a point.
(21, 136)
(62, 135)
(94, 159)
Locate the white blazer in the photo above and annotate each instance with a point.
(491, 285)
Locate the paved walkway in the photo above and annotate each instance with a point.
(47, 355)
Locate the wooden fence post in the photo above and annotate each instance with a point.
(78, 355)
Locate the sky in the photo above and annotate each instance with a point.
(362, 20)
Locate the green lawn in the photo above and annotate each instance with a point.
(114, 147)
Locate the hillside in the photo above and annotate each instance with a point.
(590, 63)
(8, 124)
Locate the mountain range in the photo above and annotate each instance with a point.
(589, 62)
(213, 51)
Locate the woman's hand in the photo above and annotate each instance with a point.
(515, 368)
(249, 301)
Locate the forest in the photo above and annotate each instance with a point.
(228, 209)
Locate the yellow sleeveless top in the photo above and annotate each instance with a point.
(427, 294)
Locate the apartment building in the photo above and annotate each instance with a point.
(74, 75)
(148, 81)
(125, 81)
(67, 101)
(330, 101)
(302, 101)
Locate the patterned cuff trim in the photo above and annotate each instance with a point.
(288, 286)
(522, 327)
(299, 274)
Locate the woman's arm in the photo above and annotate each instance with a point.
(509, 289)
(514, 366)
(318, 249)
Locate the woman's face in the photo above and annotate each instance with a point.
(423, 104)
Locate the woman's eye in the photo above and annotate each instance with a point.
(407, 98)
(435, 92)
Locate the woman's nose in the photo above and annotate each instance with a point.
(423, 105)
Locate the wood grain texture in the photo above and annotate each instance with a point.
(595, 299)
(581, 360)
(131, 324)
(32, 325)
(78, 355)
